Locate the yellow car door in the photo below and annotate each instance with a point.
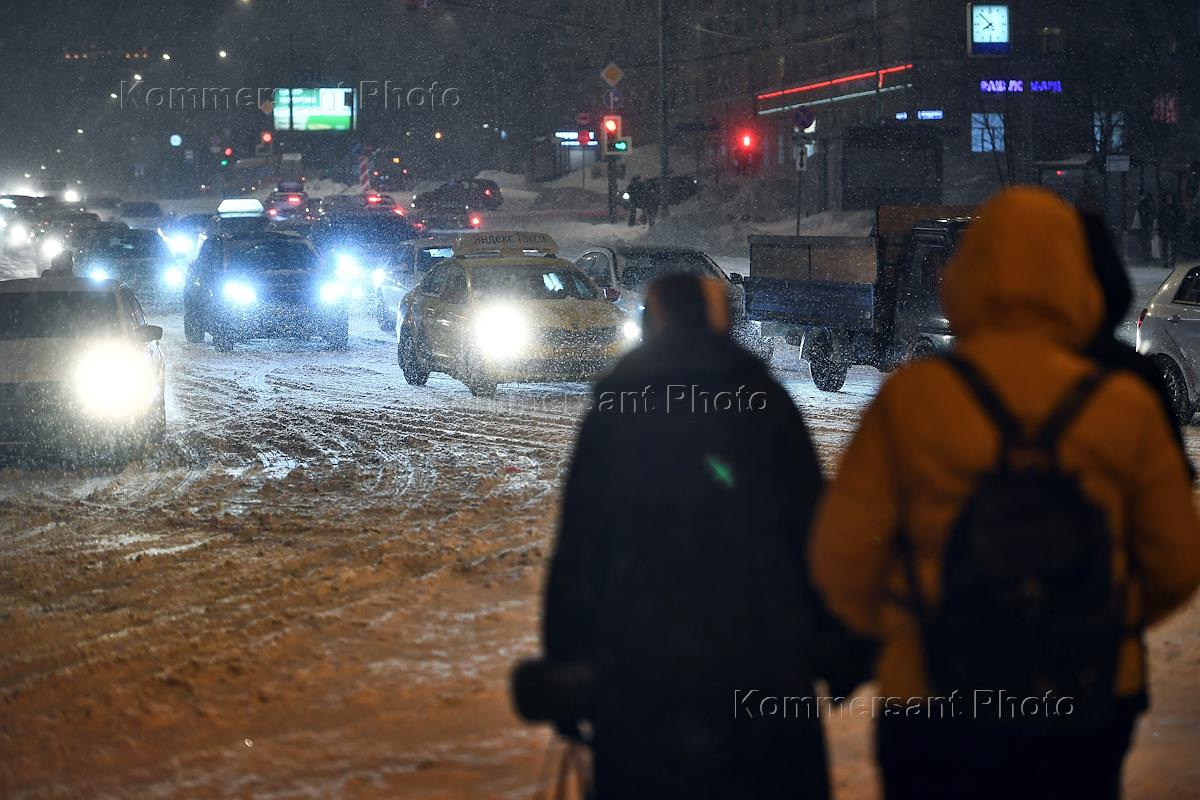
(446, 319)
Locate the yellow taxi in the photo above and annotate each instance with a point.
(505, 309)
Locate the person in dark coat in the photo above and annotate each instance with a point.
(679, 570)
(1145, 214)
(1170, 227)
(635, 190)
(651, 200)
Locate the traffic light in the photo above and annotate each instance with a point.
(612, 143)
(228, 152)
(266, 137)
(746, 141)
(746, 155)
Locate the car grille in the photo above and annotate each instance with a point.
(285, 290)
(578, 339)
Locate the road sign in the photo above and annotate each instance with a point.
(613, 100)
(800, 155)
(612, 74)
(1118, 163)
(583, 119)
(803, 117)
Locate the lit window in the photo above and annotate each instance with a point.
(987, 133)
(1111, 124)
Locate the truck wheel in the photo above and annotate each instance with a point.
(193, 323)
(828, 368)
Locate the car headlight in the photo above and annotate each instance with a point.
(113, 380)
(173, 276)
(378, 277)
(239, 292)
(501, 332)
(17, 234)
(52, 247)
(180, 244)
(333, 292)
(347, 266)
(631, 330)
(98, 274)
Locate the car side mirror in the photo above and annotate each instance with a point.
(150, 333)
(612, 295)
(736, 278)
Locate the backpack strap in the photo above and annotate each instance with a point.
(1011, 431)
(1067, 410)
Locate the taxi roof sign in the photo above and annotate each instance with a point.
(507, 243)
(240, 205)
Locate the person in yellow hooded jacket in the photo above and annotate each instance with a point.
(1024, 302)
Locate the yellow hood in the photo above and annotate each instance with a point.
(1024, 267)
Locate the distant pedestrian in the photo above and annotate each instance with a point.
(634, 191)
(652, 195)
(678, 573)
(1008, 521)
(1145, 223)
(1170, 228)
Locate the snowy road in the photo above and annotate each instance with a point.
(317, 588)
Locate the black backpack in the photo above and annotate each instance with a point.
(1029, 614)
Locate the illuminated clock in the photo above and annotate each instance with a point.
(989, 29)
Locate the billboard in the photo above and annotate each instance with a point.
(314, 109)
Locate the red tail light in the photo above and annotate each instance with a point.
(1142, 317)
(293, 199)
(487, 192)
(373, 199)
(399, 210)
(271, 212)
(476, 222)
(420, 226)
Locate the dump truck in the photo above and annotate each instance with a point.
(847, 300)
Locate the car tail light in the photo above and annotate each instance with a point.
(487, 192)
(399, 210)
(420, 226)
(294, 199)
(1142, 317)
(476, 222)
(271, 212)
(373, 199)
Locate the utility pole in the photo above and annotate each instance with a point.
(664, 152)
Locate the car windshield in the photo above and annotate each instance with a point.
(264, 256)
(240, 226)
(128, 244)
(532, 282)
(369, 230)
(65, 315)
(141, 210)
(642, 268)
(429, 257)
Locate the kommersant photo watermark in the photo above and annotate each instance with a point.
(979, 704)
(387, 95)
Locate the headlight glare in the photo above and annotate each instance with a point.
(378, 277)
(239, 292)
(98, 274)
(347, 266)
(173, 276)
(333, 292)
(52, 247)
(180, 244)
(501, 332)
(631, 330)
(113, 380)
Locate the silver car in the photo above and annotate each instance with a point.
(1168, 331)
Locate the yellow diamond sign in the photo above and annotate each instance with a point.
(612, 74)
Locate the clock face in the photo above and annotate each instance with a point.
(989, 24)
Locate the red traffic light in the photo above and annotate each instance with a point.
(610, 125)
(746, 140)
(267, 137)
(228, 151)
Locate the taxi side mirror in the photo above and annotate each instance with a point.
(149, 333)
(612, 295)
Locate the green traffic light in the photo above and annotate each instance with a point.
(620, 147)
(224, 162)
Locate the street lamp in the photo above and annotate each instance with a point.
(137, 76)
(221, 54)
(79, 130)
(166, 56)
